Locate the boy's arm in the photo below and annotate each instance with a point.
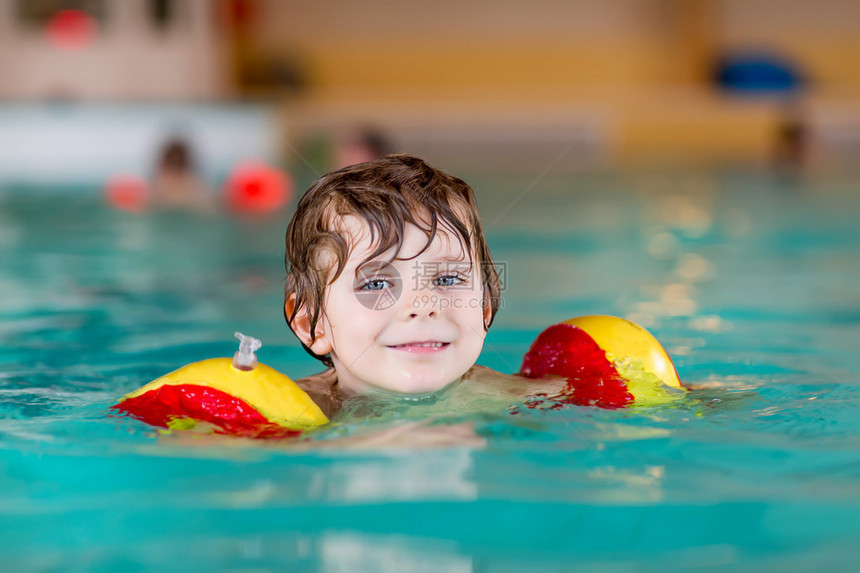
(514, 384)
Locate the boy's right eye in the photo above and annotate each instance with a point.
(376, 284)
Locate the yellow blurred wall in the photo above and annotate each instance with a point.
(648, 61)
(473, 45)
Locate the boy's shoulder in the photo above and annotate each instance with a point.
(322, 388)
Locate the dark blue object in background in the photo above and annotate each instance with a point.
(758, 73)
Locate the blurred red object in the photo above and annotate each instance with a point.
(239, 15)
(257, 188)
(128, 193)
(71, 29)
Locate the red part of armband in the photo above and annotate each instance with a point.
(227, 413)
(568, 351)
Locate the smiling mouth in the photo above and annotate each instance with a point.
(421, 347)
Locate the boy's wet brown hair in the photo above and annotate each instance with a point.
(387, 194)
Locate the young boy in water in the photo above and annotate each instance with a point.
(390, 281)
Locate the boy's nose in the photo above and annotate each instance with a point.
(418, 304)
(429, 314)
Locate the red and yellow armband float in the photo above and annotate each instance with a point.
(238, 397)
(608, 362)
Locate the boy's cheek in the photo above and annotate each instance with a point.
(471, 300)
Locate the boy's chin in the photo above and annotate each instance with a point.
(408, 382)
(416, 387)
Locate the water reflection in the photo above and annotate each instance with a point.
(353, 551)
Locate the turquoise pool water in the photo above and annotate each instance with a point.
(752, 284)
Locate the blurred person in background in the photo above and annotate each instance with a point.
(791, 150)
(176, 184)
(360, 146)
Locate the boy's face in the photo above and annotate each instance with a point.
(412, 326)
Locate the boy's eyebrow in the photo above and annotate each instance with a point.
(442, 259)
(379, 263)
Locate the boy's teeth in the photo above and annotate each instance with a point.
(427, 344)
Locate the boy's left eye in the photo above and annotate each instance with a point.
(448, 280)
(376, 284)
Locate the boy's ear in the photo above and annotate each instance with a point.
(301, 326)
(488, 311)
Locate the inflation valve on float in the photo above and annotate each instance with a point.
(245, 359)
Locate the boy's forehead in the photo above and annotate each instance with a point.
(362, 244)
